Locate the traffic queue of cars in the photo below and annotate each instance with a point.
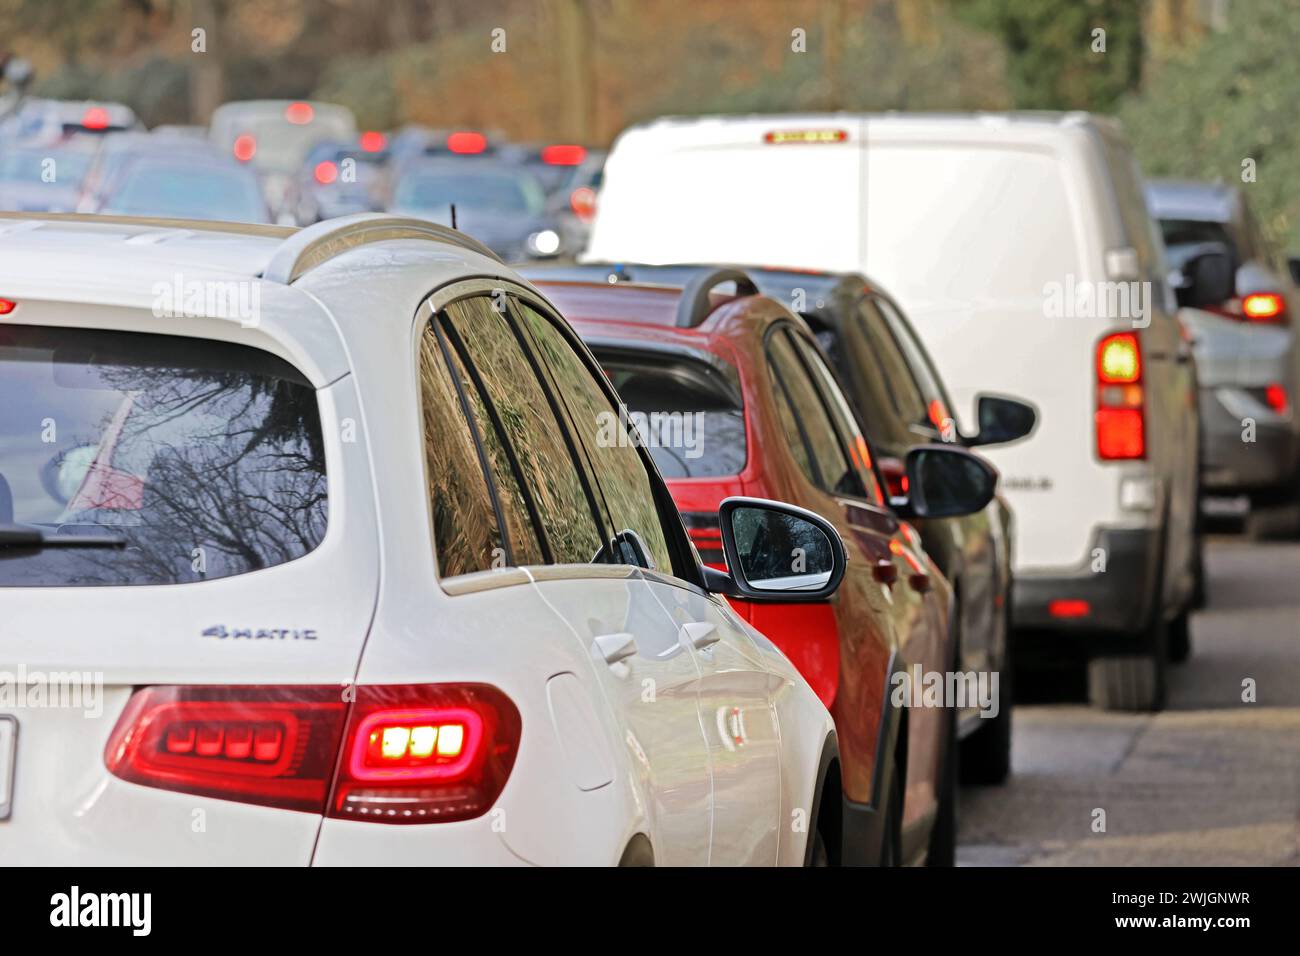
(679, 555)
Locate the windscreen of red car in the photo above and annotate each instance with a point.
(201, 459)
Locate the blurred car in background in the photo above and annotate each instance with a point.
(43, 178)
(573, 204)
(770, 421)
(274, 137)
(338, 179)
(1238, 295)
(117, 149)
(497, 203)
(185, 187)
(42, 121)
(551, 164)
(1020, 246)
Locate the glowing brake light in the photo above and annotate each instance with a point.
(300, 114)
(373, 141)
(583, 202)
(563, 154)
(1275, 397)
(326, 172)
(424, 753)
(466, 142)
(418, 753)
(780, 136)
(7, 306)
(245, 147)
(1119, 419)
(1119, 359)
(95, 117)
(1068, 608)
(1263, 307)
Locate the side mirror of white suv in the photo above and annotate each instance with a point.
(776, 552)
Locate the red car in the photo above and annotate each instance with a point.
(733, 397)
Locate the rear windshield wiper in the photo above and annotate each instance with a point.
(27, 536)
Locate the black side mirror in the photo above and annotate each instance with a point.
(945, 482)
(1002, 420)
(776, 552)
(1294, 265)
(1208, 279)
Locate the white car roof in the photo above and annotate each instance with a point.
(317, 318)
(731, 129)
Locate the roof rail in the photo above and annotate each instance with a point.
(310, 247)
(157, 222)
(695, 304)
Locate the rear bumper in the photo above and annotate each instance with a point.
(1120, 599)
(1231, 465)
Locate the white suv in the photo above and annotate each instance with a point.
(311, 552)
(1020, 247)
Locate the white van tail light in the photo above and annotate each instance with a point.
(419, 753)
(1263, 307)
(7, 306)
(1120, 425)
(780, 136)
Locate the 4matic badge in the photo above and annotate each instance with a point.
(222, 632)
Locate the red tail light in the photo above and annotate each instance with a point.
(466, 142)
(300, 114)
(411, 753)
(1266, 308)
(7, 306)
(563, 154)
(1069, 608)
(1274, 395)
(1121, 431)
(583, 202)
(245, 147)
(326, 172)
(373, 141)
(96, 117)
(272, 746)
(1263, 307)
(895, 477)
(425, 753)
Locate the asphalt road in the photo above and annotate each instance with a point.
(1211, 781)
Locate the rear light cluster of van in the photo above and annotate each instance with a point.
(1121, 401)
(417, 753)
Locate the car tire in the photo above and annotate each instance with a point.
(943, 833)
(986, 753)
(819, 856)
(1134, 682)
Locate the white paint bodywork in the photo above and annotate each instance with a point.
(598, 764)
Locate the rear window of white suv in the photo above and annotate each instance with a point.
(170, 459)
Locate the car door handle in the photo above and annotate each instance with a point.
(615, 647)
(701, 634)
(920, 582)
(884, 571)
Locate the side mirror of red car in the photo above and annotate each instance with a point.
(776, 552)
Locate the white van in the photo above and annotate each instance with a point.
(1021, 248)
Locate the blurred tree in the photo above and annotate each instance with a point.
(1230, 98)
(1051, 62)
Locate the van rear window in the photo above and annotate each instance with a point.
(169, 459)
(688, 413)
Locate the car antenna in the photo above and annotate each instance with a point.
(453, 215)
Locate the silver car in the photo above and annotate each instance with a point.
(1238, 299)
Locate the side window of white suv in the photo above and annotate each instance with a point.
(503, 480)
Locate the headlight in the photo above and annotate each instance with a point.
(544, 243)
